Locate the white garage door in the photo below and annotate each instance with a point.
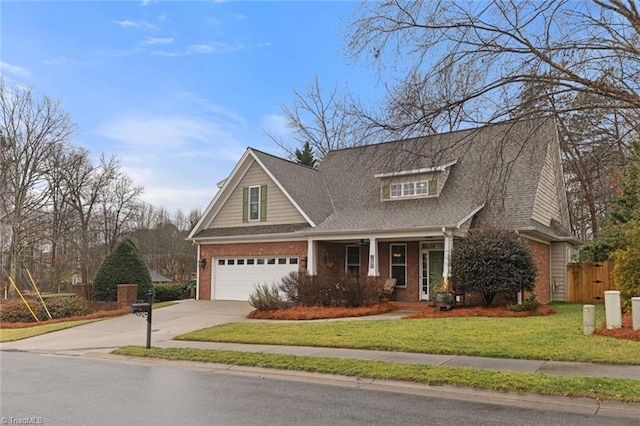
(234, 277)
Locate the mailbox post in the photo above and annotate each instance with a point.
(144, 310)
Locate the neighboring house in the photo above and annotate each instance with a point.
(157, 278)
(392, 209)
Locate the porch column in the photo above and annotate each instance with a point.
(311, 257)
(448, 246)
(374, 271)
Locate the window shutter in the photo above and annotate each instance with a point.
(433, 186)
(245, 204)
(263, 203)
(386, 191)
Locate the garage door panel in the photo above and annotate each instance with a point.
(235, 278)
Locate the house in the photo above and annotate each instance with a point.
(394, 209)
(158, 278)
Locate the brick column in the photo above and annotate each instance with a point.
(127, 294)
(84, 291)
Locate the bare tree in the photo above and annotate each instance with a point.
(565, 44)
(321, 118)
(87, 185)
(118, 204)
(30, 130)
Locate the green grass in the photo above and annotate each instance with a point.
(12, 334)
(625, 390)
(554, 337)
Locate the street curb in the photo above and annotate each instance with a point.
(586, 406)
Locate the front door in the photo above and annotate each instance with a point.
(431, 268)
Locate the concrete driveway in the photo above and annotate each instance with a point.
(185, 316)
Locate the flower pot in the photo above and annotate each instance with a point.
(444, 300)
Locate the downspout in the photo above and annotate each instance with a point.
(198, 273)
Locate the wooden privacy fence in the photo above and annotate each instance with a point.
(587, 282)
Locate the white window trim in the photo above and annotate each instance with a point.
(405, 263)
(258, 203)
(415, 193)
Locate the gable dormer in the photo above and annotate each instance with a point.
(415, 183)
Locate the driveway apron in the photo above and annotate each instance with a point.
(167, 322)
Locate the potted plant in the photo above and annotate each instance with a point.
(445, 299)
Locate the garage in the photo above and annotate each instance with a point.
(234, 277)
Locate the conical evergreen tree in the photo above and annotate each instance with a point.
(627, 205)
(124, 265)
(306, 156)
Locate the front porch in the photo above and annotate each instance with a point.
(420, 266)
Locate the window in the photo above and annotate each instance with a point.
(260, 261)
(254, 203)
(409, 189)
(282, 261)
(353, 260)
(240, 261)
(399, 264)
(293, 261)
(250, 261)
(413, 189)
(220, 261)
(396, 190)
(231, 262)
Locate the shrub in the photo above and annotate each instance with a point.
(171, 291)
(490, 261)
(530, 304)
(348, 290)
(266, 297)
(627, 268)
(289, 286)
(59, 307)
(124, 265)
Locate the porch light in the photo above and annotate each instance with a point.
(203, 263)
(397, 255)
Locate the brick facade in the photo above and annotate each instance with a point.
(542, 260)
(208, 251)
(331, 261)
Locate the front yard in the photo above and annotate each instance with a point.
(553, 337)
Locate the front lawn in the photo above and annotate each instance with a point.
(553, 337)
(12, 334)
(625, 390)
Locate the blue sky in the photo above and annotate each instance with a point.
(177, 90)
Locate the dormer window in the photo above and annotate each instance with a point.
(412, 189)
(416, 183)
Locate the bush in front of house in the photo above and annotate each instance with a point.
(347, 290)
(267, 297)
(124, 265)
(491, 261)
(59, 307)
(627, 267)
(170, 291)
(530, 304)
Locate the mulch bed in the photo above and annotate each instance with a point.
(626, 332)
(317, 312)
(480, 311)
(95, 315)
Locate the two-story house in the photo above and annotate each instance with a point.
(393, 209)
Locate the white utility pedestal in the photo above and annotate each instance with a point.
(613, 309)
(589, 319)
(635, 312)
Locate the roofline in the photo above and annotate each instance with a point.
(279, 185)
(417, 171)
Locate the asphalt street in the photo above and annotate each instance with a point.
(58, 390)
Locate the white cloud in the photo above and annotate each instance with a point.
(126, 23)
(184, 199)
(14, 70)
(154, 41)
(276, 125)
(215, 47)
(163, 132)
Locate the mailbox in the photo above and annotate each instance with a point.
(137, 308)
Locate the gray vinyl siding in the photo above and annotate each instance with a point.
(560, 257)
(279, 208)
(547, 204)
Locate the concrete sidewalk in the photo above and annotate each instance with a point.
(582, 369)
(103, 336)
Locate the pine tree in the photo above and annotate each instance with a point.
(124, 265)
(306, 156)
(627, 205)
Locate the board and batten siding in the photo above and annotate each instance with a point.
(547, 203)
(279, 209)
